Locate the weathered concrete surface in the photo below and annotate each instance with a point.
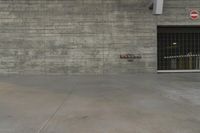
(100, 104)
(83, 36)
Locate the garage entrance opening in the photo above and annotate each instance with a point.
(178, 49)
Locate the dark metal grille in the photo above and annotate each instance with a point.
(178, 48)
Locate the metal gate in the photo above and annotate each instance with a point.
(178, 49)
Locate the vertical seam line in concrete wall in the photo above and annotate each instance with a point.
(103, 71)
(45, 64)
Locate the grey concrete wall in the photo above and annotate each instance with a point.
(83, 36)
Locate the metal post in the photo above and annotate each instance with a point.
(158, 6)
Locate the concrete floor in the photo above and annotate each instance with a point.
(142, 103)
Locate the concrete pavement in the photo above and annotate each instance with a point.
(140, 103)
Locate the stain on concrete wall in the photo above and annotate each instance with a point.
(83, 36)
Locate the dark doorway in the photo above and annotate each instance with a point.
(178, 48)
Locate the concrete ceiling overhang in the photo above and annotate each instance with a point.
(157, 6)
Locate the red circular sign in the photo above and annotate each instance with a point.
(194, 14)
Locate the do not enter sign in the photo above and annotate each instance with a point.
(194, 14)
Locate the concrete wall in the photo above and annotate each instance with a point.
(83, 36)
